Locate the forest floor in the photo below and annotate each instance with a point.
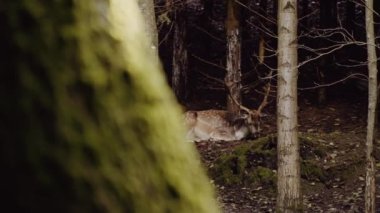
(333, 163)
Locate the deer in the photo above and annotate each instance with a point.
(221, 125)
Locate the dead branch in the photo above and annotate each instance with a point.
(208, 62)
(335, 82)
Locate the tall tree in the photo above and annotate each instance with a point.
(289, 197)
(87, 121)
(370, 186)
(180, 60)
(233, 63)
(350, 16)
(147, 10)
(262, 39)
(328, 20)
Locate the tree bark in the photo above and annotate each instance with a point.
(180, 60)
(370, 186)
(88, 123)
(233, 75)
(289, 197)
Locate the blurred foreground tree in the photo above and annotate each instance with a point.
(87, 121)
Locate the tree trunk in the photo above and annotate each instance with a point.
(262, 37)
(88, 123)
(289, 197)
(320, 72)
(233, 75)
(350, 17)
(147, 10)
(180, 61)
(370, 186)
(328, 20)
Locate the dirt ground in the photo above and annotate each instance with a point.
(336, 148)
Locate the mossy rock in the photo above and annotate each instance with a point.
(346, 172)
(262, 175)
(254, 162)
(312, 172)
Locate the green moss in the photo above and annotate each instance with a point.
(240, 168)
(253, 163)
(347, 172)
(227, 172)
(312, 172)
(310, 148)
(262, 175)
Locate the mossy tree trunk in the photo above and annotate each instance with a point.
(87, 121)
(370, 186)
(289, 198)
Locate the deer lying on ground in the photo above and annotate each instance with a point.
(221, 125)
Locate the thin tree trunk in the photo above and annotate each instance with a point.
(262, 36)
(180, 61)
(147, 9)
(370, 186)
(233, 64)
(350, 17)
(289, 197)
(88, 123)
(328, 19)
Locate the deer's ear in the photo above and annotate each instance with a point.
(243, 114)
(191, 114)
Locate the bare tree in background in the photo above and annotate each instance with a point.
(370, 186)
(289, 197)
(328, 20)
(180, 59)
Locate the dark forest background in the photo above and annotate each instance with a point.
(332, 51)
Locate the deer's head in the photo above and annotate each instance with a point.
(252, 117)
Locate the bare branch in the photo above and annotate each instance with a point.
(335, 82)
(208, 62)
